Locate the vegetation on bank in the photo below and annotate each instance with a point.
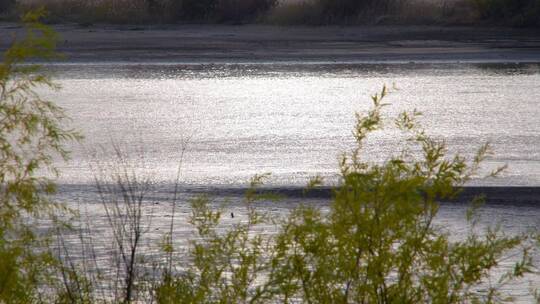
(32, 134)
(377, 243)
(311, 12)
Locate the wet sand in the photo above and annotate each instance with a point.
(261, 43)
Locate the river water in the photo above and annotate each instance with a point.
(294, 120)
(226, 123)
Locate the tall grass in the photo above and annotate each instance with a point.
(110, 266)
(114, 253)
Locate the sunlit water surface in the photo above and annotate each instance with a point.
(293, 120)
(225, 123)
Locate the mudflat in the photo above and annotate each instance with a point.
(301, 44)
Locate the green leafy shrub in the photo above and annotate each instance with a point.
(32, 132)
(376, 244)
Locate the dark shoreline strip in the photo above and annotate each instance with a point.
(518, 196)
(494, 195)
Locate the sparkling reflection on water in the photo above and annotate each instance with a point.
(293, 121)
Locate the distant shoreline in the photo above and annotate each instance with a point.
(494, 195)
(208, 44)
(519, 196)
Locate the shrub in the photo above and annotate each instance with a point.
(376, 244)
(377, 241)
(31, 134)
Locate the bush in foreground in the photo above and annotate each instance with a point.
(31, 133)
(377, 242)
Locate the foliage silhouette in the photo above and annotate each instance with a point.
(32, 132)
(376, 244)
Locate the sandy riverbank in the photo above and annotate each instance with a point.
(258, 43)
